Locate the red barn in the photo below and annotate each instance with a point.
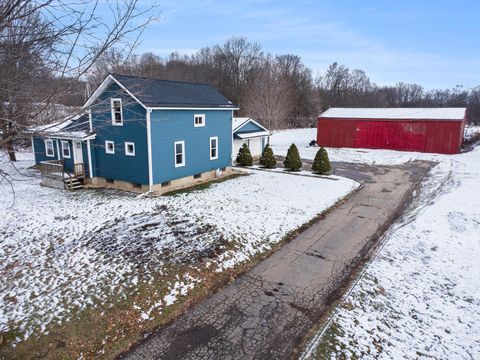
(434, 130)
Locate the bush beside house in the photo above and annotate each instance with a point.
(267, 159)
(292, 161)
(244, 157)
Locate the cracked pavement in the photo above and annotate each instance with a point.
(266, 312)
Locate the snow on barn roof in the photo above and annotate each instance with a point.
(396, 113)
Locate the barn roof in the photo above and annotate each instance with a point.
(396, 113)
(153, 93)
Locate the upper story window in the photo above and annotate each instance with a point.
(179, 147)
(130, 148)
(66, 149)
(214, 148)
(199, 120)
(49, 151)
(117, 113)
(109, 147)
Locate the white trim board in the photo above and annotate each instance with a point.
(149, 150)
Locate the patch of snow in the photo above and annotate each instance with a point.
(63, 251)
(451, 113)
(281, 141)
(420, 296)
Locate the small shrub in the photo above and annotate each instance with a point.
(292, 161)
(268, 158)
(321, 163)
(244, 157)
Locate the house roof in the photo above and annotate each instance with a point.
(239, 122)
(151, 92)
(396, 113)
(72, 127)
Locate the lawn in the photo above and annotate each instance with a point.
(87, 273)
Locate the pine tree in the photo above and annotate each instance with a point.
(244, 157)
(268, 158)
(321, 163)
(292, 161)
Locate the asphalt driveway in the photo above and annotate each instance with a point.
(267, 311)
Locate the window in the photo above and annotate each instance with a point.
(214, 148)
(130, 149)
(49, 151)
(65, 149)
(166, 183)
(109, 147)
(199, 120)
(179, 147)
(117, 115)
(197, 176)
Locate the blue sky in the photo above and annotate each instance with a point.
(432, 43)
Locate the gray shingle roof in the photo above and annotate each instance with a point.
(167, 93)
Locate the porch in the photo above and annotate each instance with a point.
(56, 176)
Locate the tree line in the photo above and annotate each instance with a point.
(280, 90)
(57, 52)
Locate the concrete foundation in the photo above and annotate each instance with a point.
(159, 189)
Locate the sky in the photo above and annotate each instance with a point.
(431, 43)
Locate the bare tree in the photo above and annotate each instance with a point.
(269, 97)
(45, 40)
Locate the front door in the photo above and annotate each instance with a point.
(77, 152)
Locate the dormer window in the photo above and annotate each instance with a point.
(117, 114)
(199, 120)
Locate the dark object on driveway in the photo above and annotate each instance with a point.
(313, 143)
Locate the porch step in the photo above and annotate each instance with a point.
(73, 184)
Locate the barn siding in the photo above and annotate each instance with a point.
(168, 126)
(409, 135)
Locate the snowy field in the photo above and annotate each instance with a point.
(61, 251)
(420, 296)
(281, 141)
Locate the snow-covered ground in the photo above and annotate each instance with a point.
(61, 251)
(281, 141)
(420, 296)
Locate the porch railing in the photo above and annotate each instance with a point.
(52, 168)
(79, 170)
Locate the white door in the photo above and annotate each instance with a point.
(77, 152)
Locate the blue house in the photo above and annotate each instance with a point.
(140, 134)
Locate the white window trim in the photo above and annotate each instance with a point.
(66, 146)
(106, 147)
(127, 143)
(202, 116)
(112, 110)
(49, 141)
(175, 153)
(216, 148)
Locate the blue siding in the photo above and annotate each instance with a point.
(40, 154)
(248, 127)
(168, 126)
(119, 166)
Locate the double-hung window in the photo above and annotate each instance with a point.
(66, 149)
(109, 147)
(129, 148)
(179, 147)
(49, 150)
(199, 120)
(214, 148)
(117, 113)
